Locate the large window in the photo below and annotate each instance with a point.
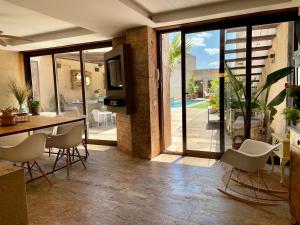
(202, 113)
(58, 83)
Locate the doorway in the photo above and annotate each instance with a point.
(200, 114)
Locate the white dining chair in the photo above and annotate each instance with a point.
(97, 117)
(26, 152)
(70, 139)
(60, 129)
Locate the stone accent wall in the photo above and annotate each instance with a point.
(138, 134)
(123, 122)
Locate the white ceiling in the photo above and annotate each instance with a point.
(95, 20)
(158, 6)
(19, 21)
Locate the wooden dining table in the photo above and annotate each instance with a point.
(41, 122)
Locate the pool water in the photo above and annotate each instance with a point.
(178, 104)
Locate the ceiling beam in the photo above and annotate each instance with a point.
(241, 50)
(219, 10)
(255, 38)
(54, 35)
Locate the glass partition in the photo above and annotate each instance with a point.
(101, 123)
(69, 83)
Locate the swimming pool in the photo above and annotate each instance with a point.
(178, 104)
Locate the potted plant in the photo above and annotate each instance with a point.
(20, 92)
(35, 107)
(8, 116)
(292, 115)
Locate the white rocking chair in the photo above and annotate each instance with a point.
(251, 157)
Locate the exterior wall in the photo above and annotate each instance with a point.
(11, 68)
(175, 79)
(280, 47)
(206, 75)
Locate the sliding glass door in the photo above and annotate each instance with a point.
(202, 91)
(202, 115)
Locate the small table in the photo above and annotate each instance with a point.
(283, 152)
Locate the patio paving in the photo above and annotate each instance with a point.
(201, 135)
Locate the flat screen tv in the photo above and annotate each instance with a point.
(114, 73)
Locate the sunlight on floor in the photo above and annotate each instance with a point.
(193, 161)
(102, 148)
(166, 158)
(190, 161)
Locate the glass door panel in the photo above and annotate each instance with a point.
(202, 88)
(172, 92)
(101, 123)
(235, 59)
(69, 83)
(43, 83)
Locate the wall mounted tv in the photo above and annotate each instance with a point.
(118, 80)
(114, 73)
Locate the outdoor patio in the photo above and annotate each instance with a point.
(201, 134)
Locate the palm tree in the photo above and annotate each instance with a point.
(175, 51)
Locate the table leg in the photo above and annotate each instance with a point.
(272, 160)
(282, 165)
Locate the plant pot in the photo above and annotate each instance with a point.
(35, 111)
(213, 110)
(8, 120)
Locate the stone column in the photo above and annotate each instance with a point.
(138, 134)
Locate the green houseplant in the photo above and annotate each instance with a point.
(292, 115)
(20, 92)
(267, 106)
(35, 107)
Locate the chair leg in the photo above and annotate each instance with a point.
(29, 170)
(68, 163)
(76, 149)
(229, 178)
(42, 172)
(56, 160)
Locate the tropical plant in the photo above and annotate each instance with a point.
(253, 102)
(20, 92)
(192, 87)
(174, 55)
(215, 90)
(292, 115)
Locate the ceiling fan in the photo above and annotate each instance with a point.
(4, 39)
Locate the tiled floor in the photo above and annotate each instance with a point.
(119, 189)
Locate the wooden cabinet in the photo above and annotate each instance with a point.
(295, 174)
(13, 204)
